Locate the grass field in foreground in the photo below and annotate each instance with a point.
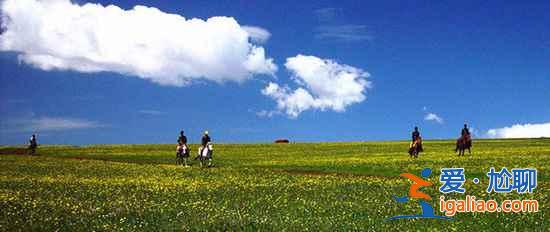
(317, 186)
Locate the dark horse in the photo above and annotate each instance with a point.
(416, 148)
(32, 148)
(182, 154)
(32, 145)
(463, 143)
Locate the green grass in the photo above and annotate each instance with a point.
(318, 186)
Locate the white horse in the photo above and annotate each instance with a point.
(205, 153)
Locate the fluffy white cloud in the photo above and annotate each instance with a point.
(257, 34)
(433, 117)
(145, 42)
(324, 84)
(266, 113)
(521, 131)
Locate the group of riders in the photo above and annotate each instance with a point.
(462, 144)
(204, 154)
(205, 151)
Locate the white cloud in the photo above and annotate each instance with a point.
(167, 49)
(433, 117)
(257, 34)
(324, 84)
(47, 124)
(266, 113)
(521, 131)
(349, 33)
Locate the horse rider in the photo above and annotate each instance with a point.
(183, 149)
(465, 131)
(415, 134)
(416, 137)
(466, 138)
(205, 139)
(33, 144)
(182, 139)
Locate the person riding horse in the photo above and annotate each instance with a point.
(464, 142)
(205, 155)
(416, 143)
(33, 144)
(204, 141)
(182, 138)
(182, 150)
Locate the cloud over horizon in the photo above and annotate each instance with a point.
(521, 131)
(433, 117)
(324, 85)
(41, 124)
(145, 42)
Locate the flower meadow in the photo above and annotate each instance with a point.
(273, 187)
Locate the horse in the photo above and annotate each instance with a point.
(205, 154)
(463, 143)
(32, 146)
(182, 154)
(415, 148)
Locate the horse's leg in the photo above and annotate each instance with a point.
(457, 147)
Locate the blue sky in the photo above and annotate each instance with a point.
(482, 62)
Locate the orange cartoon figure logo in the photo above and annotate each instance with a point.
(415, 193)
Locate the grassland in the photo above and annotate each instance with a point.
(296, 187)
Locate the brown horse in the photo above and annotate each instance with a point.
(416, 148)
(463, 143)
